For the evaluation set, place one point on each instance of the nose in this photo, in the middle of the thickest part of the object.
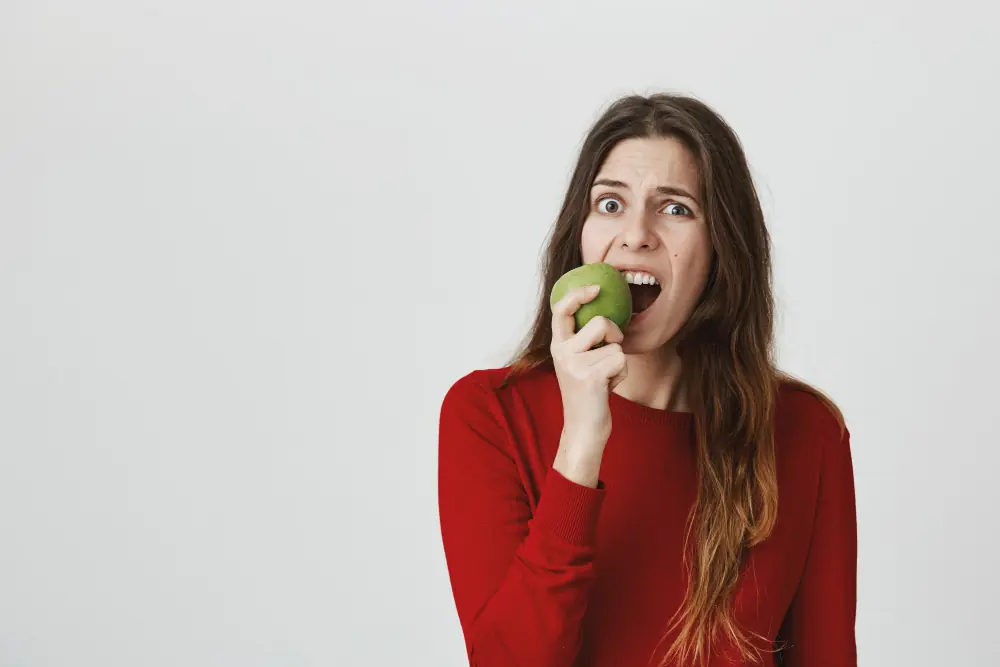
(637, 234)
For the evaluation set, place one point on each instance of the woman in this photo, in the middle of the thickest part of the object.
(668, 497)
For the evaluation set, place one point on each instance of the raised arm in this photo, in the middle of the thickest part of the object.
(520, 581)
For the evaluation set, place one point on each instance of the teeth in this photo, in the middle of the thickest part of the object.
(639, 278)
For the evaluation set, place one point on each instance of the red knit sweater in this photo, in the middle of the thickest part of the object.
(548, 573)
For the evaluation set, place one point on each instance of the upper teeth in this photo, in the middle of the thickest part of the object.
(639, 278)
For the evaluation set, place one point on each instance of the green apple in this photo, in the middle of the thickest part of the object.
(614, 301)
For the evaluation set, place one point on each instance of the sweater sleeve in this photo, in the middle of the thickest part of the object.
(520, 582)
(818, 630)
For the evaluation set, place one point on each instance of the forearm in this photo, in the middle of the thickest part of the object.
(578, 459)
(534, 617)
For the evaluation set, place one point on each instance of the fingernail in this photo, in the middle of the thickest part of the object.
(593, 289)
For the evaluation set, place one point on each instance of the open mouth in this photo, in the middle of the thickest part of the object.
(644, 288)
(643, 296)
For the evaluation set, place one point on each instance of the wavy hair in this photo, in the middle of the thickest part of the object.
(727, 354)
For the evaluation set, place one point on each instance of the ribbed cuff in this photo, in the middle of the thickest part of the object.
(569, 510)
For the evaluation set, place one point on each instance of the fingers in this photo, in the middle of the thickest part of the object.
(597, 330)
(563, 324)
(612, 365)
(619, 376)
(592, 367)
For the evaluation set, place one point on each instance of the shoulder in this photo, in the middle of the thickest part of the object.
(483, 413)
(808, 419)
(497, 405)
(476, 384)
(484, 386)
(802, 406)
(476, 388)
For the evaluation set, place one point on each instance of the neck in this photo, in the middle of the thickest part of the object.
(655, 379)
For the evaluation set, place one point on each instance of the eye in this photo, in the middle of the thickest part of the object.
(609, 205)
(678, 209)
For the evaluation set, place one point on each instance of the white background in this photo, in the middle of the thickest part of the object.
(245, 248)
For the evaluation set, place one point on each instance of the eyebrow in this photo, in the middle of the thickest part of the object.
(671, 190)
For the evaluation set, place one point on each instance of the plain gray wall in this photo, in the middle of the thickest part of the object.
(246, 247)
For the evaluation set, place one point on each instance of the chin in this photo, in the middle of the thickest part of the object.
(648, 336)
(640, 343)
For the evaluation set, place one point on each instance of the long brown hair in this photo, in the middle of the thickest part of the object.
(726, 348)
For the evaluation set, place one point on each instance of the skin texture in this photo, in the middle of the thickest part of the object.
(635, 224)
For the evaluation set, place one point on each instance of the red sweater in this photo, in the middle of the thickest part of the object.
(549, 573)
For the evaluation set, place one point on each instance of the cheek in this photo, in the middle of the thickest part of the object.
(691, 263)
(594, 241)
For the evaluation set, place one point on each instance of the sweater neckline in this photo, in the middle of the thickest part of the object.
(638, 413)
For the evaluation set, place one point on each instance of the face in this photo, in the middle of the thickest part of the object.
(645, 217)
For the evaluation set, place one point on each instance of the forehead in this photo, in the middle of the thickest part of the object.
(650, 162)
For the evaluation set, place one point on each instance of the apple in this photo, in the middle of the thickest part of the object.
(614, 301)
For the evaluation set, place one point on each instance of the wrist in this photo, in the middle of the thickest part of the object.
(579, 461)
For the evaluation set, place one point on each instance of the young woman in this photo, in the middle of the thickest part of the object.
(669, 497)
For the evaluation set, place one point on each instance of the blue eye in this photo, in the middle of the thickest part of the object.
(673, 207)
(609, 205)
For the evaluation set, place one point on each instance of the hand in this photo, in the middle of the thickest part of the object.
(586, 377)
